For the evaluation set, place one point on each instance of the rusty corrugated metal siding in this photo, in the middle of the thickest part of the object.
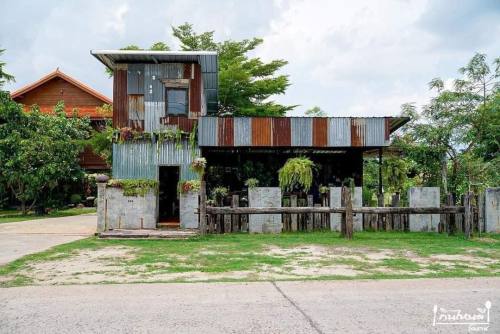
(358, 131)
(226, 131)
(242, 131)
(282, 132)
(261, 131)
(182, 122)
(339, 132)
(195, 92)
(387, 129)
(301, 131)
(136, 112)
(295, 131)
(140, 160)
(207, 131)
(120, 104)
(320, 132)
(135, 79)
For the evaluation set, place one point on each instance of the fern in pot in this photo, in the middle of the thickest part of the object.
(296, 174)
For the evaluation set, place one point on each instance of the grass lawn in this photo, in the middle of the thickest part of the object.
(11, 216)
(243, 257)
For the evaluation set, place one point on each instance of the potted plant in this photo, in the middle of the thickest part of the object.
(296, 174)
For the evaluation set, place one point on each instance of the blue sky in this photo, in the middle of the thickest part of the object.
(351, 58)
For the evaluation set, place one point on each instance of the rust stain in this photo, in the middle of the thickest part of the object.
(281, 131)
(120, 101)
(320, 132)
(261, 131)
(357, 132)
(226, 131)
(183, 123)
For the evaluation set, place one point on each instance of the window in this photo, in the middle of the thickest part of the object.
(177, 101)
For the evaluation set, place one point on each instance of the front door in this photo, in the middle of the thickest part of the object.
(168, 199)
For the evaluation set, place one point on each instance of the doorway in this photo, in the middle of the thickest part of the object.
(168, 213)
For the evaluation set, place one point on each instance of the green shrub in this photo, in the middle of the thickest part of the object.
(75, 199)
(252, 183)
(134, 187)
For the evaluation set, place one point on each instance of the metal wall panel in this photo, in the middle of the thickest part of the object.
(207, 131)
(242, 131)
(120, 100)
(375, 132)
(154, 111)
(281, 132)
(136, 107)
(339, 132)
(261, 131)
(153, 74)
(140, 160)
(225, 132)
(320, 131)
(301, 131)
(135, 79)
(358, 132)
(170, 154)
(134, 161)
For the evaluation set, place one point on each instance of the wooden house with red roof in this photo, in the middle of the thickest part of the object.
(58, 86)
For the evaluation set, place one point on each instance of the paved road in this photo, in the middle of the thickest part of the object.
(22, 238)
(388, 306)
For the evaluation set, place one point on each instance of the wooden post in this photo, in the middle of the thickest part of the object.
(396, 218)
(310, 203)
(450, 218)
(480, 213)
(348, 221)
(203, 208)
(467, 215)
(294, 218)
(236, 218)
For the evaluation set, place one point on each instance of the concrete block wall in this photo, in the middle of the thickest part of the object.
(336, 201)
(492, 210)
(267, 197)
(188, 204)
(424, 197)
(127, 212)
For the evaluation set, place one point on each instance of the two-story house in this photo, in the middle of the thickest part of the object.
(158, 90)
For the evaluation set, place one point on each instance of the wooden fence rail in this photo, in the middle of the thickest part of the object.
(296, 210)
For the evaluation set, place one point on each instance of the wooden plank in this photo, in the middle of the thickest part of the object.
(236, 225)
(120, 101)
(347, 222)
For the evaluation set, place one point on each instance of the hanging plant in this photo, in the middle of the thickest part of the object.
(198, 166)
(296, 173)
(186, 186)
(323, 189)
(252, 183)
(218, 193)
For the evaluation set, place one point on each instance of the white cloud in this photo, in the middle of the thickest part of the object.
(350, 58)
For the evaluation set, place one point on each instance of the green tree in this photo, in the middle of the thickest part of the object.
(246, 84)
(454, 143)
(4, 77)
(38, 151)
(315, 112)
